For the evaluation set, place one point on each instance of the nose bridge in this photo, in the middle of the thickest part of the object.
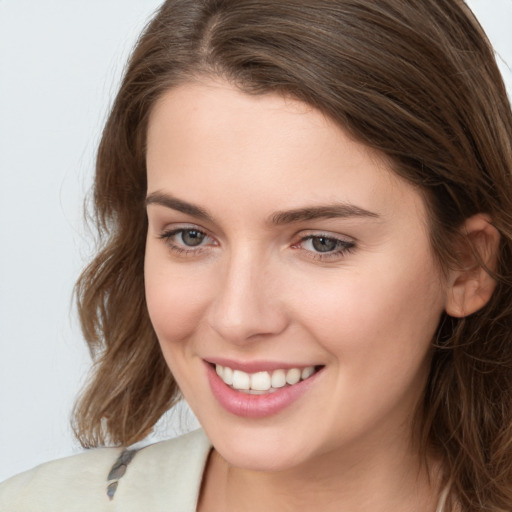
(246, 304)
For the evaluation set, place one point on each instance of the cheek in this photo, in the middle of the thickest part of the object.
(175, 299)
(377, 328)
(370, 315)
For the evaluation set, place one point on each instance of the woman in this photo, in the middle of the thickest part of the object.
(306, 209)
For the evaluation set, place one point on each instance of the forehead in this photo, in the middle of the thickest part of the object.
(210, 136)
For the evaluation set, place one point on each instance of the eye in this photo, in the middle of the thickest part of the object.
(322, 246)
(192, 237)
(186, 240)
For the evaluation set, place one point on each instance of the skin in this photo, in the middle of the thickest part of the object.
(257, 290)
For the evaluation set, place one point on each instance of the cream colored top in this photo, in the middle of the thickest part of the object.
(163, 477)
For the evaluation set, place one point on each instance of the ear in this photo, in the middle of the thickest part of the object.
(470, 286)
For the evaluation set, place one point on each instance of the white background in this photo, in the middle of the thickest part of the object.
(60, 62)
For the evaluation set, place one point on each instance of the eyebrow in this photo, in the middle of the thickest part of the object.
(336, 210)
(178, 205)
(332, 211)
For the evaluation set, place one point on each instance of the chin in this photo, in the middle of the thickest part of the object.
(254, 460)
(262, 449)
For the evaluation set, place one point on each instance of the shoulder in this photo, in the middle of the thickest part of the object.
(77, 477)
(113, 479)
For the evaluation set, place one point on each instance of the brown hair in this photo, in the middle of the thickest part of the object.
(414, 79)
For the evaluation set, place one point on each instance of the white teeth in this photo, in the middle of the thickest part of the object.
(262, 382)
(293, 376)
(241, 380)
(278, 378)
(228, 375)
(307, 372)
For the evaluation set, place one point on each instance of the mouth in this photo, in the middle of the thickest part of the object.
(263, 382)
(260, 389)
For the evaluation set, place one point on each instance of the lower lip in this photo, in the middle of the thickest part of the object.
(256, 406)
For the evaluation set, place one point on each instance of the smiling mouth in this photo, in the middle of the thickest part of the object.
(264, 382)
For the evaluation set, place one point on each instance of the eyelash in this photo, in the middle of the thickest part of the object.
(184, 250)
(343, 246)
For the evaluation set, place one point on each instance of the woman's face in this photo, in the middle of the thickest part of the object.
(278, 248)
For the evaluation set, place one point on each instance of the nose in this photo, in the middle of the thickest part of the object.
(248, 304)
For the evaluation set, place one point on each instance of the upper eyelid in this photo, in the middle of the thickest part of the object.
(164, 218)
(177, 227)
(306, 234)
(174, 231)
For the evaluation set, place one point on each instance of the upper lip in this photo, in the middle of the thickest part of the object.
(256, 365)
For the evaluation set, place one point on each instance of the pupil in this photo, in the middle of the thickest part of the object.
(322, 244)
(192, 237)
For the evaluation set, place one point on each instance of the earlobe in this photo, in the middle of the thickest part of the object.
(471, 286)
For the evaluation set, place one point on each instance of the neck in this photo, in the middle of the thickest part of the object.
(378, 479)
